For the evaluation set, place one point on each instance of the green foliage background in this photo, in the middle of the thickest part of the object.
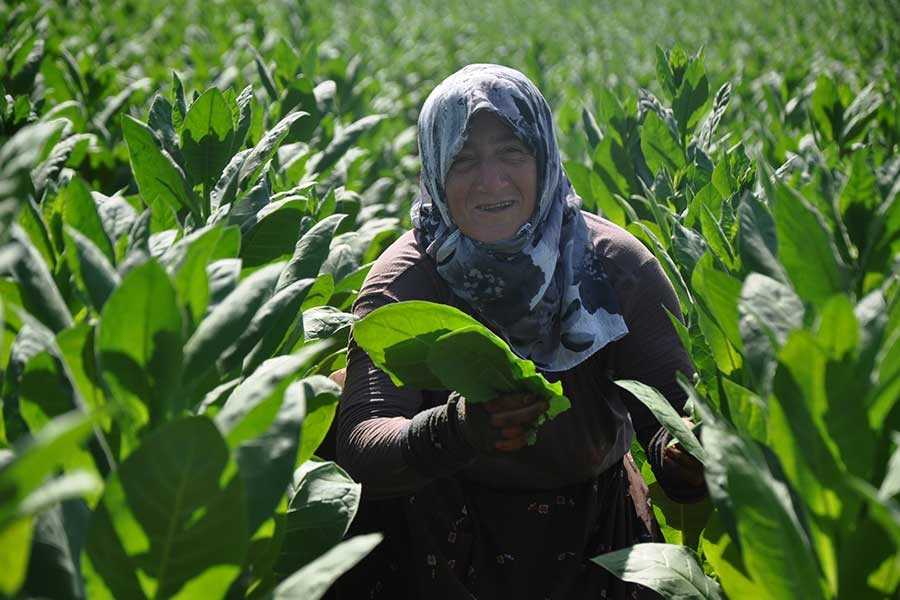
(191, 196)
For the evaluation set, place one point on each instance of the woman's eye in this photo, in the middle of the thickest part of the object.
(514, 152)
(462, 162)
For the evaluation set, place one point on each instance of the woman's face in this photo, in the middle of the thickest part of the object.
(492, 184)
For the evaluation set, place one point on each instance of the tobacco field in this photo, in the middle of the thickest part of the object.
(192, 195)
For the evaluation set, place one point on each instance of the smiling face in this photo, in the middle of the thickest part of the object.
(491, 186)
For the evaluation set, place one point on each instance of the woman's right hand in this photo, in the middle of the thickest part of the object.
(501, 424)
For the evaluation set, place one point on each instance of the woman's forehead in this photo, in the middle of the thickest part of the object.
(489, 128)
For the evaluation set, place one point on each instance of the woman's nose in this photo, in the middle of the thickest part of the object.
(491, 175)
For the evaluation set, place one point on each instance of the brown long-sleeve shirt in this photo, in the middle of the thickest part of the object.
(374, 415)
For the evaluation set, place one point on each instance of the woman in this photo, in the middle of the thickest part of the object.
(468, 509)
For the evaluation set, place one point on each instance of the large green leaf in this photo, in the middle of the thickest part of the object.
(255, 402)
(341, 261)
(76, 347)
(80, 212)
(320, 395)
(310, 251)
(226, 188)
(161, 121)
(687, 248)
(666, 415)
(34, 224)
(23, 486)
(661, 148)
(861, 110)
(47, 174)
(747, 411)
(256, 160)
(346, 291)
(724, 557)
(774, 305)
(15, 547)
(397, 338)
(158, 177)
(207, 137)
(140, 243)
(769, 310)
(322, 322)
(609, 179)
(223, 277)
(320, 293)
(869, 562)
(433, 346)
(775, 546)
(27, 488)
(39, 292)
(186, 263)
(845, 375)
(672, 571)
(831, 515)
(284, 324)
(321, 509)
(717, 239)
(827, 109)
(267, 328)
(171, 522)
(717, 293)
(805, 247)
(227, 321)
(664, 74)
(799, 387)
(31, 340)
(243, 115)
(265, 546)
(272, 233)
(139, 347)
(58, 539)
(18, 155)
(118, 218)
(262, 421)
(312, 581)
(757, 239)
(93, 272)
(338, 146)
(692, 95)
(480, 366)
(44, 392)
(859, 199)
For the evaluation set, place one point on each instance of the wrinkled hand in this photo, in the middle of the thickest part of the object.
(502, 424)
(681, 465)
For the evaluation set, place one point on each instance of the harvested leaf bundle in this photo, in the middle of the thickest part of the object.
(437, 347)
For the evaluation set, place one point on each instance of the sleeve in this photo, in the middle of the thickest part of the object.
(387, 438)
(652, 353)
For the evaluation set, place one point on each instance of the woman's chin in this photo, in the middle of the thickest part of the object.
(493, 233)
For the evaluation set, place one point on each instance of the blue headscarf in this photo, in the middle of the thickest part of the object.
(544, 289)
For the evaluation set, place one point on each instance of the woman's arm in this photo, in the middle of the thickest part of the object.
(385, 441)
(652, 353)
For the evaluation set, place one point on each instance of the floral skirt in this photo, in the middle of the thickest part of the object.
(457, 540)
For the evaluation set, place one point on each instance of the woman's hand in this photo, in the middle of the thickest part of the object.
(679, 473)
(501, 424)
(683, 467)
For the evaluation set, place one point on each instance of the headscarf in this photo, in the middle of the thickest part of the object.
(544, 289)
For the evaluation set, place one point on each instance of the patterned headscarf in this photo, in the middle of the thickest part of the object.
(544, 289)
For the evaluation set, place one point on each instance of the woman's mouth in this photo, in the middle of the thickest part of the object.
(495, 206)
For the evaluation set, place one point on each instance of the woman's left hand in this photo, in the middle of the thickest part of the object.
(501, 424)
(513, 415)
